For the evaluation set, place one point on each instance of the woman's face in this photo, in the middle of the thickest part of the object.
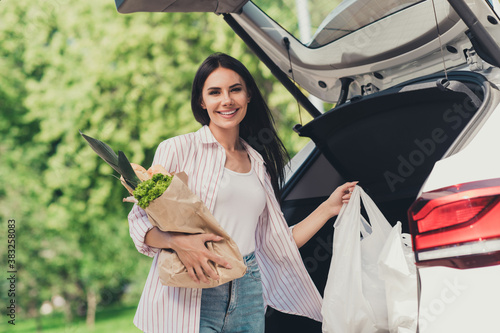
(225, 97)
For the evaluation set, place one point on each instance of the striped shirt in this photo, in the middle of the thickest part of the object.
(287, 286)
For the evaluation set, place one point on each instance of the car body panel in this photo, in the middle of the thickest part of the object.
(459, 300)
(476, 161)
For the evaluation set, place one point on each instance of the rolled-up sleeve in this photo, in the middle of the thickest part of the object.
(139, 225)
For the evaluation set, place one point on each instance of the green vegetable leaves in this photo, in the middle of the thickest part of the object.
(151, 189)
(118, 162)
(144, 192)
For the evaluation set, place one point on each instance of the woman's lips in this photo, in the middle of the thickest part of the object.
(227, 114)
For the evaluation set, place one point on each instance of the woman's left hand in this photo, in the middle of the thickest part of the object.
(340, 196)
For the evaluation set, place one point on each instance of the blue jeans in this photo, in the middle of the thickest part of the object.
(236, 306)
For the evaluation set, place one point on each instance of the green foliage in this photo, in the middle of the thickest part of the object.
(124, 79)
(151, 189)
(111, 319)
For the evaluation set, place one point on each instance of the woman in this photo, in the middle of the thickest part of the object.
(235, 163)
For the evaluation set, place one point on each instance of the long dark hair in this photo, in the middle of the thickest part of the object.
(257, 128)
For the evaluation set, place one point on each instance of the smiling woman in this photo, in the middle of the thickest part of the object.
(238, 176)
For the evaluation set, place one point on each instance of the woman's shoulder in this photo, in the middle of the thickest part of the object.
(179, 141)
(173, 151)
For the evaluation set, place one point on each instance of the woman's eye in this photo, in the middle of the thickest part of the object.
(236, 89)
(213, 92)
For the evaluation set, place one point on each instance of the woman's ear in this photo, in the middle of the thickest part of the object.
(203, 105)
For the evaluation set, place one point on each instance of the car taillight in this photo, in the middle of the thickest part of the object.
(457, 226)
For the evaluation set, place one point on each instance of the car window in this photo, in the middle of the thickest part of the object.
(318, 22)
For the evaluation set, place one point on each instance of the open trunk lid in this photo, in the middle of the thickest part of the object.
(215, 6)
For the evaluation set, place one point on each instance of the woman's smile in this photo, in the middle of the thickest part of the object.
(228, 113)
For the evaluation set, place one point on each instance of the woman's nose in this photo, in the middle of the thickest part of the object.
(226, 99)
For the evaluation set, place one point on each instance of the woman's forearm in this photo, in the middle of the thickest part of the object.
(307, 228)
(304, 230)
(157, 238)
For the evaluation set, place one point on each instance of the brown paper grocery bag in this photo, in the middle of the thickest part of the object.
(180, 210)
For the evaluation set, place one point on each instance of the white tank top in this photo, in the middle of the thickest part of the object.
(240, 201)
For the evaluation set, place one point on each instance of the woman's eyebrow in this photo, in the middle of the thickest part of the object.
(230, 87)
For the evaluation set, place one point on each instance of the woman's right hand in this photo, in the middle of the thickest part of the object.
(194, 254)
(192, 251)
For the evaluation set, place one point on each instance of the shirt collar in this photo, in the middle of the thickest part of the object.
(206, 135)
(252, 152)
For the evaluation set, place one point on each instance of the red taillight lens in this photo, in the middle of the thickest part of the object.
(453, 214)
(452, 222)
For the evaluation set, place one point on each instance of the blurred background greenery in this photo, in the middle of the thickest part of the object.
(125, 79)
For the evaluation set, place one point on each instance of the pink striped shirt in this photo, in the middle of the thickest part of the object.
(286, 284)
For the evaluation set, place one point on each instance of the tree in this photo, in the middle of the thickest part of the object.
(124, 79)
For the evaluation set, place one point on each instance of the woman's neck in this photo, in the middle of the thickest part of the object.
(228, 138)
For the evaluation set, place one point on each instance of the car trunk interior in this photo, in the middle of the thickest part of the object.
(389, 141)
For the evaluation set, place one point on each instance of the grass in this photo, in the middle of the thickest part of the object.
(116, 320)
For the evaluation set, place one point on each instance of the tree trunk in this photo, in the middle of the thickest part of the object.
(39, 326)
(68, 312)
(91, 309)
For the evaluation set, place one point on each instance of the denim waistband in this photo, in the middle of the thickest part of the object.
(249, 257)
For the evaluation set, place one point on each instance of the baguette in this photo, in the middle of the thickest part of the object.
(141, 172)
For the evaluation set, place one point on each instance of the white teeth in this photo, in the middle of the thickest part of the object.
(227, 113)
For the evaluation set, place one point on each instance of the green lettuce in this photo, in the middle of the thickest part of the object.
(151, 189)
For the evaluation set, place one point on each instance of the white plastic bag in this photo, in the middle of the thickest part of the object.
(354, 299)
(397, 269)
